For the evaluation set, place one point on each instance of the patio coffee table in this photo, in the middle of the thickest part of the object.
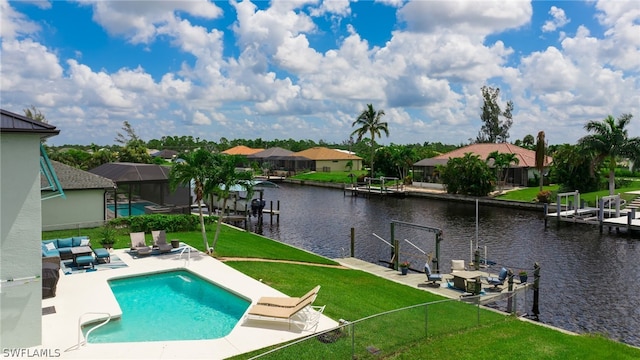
(80, 251)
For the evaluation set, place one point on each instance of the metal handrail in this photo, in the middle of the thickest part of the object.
(188, 259)
(84, 342)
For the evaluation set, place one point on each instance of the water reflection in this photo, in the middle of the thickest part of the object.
(589, 280)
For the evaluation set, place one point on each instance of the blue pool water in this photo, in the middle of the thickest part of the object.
(137, 208)
(176, 305)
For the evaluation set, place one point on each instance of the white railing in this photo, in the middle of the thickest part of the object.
(187, 261)
(82, 342)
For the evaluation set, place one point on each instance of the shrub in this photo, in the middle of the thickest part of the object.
(169, 223)
(544, 196)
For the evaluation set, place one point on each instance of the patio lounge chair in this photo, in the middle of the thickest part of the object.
(287, 302)
(160, 241)
(139, 244)
(433, 279)
(498, 281)
(304, 315)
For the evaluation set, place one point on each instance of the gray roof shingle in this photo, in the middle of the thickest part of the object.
(75, 179)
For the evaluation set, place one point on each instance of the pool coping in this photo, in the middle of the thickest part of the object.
(78, 294)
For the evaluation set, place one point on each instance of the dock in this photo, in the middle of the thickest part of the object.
(611, 215)
(419, 280)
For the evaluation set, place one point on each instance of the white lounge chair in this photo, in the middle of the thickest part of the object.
(304, 315)
(160, 241)
(289, 302)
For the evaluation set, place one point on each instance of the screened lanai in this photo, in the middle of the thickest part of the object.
(142, 188)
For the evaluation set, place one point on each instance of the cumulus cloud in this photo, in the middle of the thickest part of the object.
(13, 23)
(138, 21)
(558, 20)
(465, 17)
(265, 76)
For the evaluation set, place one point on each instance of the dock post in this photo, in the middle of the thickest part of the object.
(536, 291)
(278, 215)
(630, 216)
(600, 214)
(353, 242)
(271, 212)
(558, 209)
(476, 259)
(546, 211)
(510, 301)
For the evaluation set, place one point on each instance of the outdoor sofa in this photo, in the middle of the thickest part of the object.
(61, 248)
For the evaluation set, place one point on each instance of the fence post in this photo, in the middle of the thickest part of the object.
(353, 242)
(536, 287)
(511, 297)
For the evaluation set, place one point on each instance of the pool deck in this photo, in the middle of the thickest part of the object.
(83, 293)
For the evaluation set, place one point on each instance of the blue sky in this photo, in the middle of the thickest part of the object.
(306, 69)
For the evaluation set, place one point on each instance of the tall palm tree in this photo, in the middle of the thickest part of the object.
(198, 167)
(370, 122)
(225, 179)
(610, 141)
(502, 161)
(541, 157)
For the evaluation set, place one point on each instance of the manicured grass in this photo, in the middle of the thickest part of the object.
(331, 177)
(526, 194)
(529, 194)
(350, 294)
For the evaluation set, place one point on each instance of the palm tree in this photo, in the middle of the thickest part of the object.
(610, 141)
(540, 157)
(198, 167)
(503, 161)
(224, 179)
(369, 122)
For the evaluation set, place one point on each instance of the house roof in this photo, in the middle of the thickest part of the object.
(71, 178)
(241, 150)
(132, 172)
(271, 153)
(526, 157)
(323, 153)
(165, 154)
(15, 123)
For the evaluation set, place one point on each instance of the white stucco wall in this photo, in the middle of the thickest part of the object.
(20, 232)
(79, 209)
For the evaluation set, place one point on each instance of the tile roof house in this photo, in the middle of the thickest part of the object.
(241, 150)
(281, 162)
(84, 204)
(328, 160)
(517, 174)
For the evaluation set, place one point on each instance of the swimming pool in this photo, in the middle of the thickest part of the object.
(174, 305)
(137, 208)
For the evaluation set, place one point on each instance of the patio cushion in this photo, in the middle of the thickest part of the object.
(84, 260)
(65, 243)
(49, 246)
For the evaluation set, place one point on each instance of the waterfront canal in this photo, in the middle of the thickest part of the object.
(588, 283)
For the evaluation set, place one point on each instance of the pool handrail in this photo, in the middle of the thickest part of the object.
(80, 341)
(188, 259)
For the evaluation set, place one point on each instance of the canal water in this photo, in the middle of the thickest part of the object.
(589, 281)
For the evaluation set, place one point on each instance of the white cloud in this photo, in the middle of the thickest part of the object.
(201, 119)
(559, 19)
(466, 17)
(14, 24)
(137, 21)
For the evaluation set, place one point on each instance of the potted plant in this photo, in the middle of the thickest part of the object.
(404, 267)
(108, 235)
(523, 276)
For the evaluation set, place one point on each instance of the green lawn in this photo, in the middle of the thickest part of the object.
(331, 177)
(529, 194)
(351, 294)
